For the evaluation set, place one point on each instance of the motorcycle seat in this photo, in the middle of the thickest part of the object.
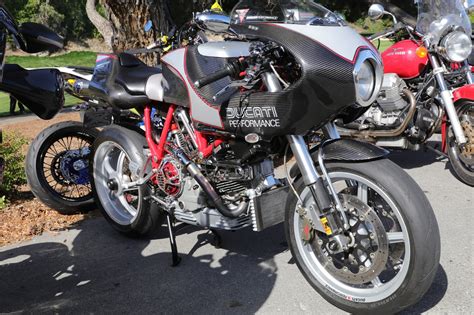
(133, 74)
(121, 80)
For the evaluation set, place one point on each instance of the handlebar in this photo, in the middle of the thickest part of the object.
(397, 27)
(230, 69)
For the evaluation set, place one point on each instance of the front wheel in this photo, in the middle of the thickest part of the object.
(462, 159)
(394, 250)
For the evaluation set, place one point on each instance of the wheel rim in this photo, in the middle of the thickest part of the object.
(111, 162)
(466, 159)
(65, 168)
(388, 281)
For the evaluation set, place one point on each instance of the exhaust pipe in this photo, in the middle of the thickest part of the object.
(196, 173)
(344, 132)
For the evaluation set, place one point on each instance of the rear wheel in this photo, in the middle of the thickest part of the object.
(462, 159)
(394, 240)
(57, 167)
(118, 159)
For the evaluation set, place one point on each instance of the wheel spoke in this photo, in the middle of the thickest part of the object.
(395, 237)
(111, 172)
(376, 282)
(362, 193)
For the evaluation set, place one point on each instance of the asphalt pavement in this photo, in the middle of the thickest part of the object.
(93, 269)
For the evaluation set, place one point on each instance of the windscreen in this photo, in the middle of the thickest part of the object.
(435, 17)
(283, 11)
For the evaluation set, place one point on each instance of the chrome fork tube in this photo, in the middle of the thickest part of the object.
(447, 98)
(304, 160)
(469, 76)
(330, 131)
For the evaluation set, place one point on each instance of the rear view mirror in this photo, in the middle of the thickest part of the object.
(214, 22)
(39, 38)
(41, 90)
(376, 11)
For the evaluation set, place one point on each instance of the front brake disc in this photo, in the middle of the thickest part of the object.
(367, 258)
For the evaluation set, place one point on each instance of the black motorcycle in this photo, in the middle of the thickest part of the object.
(220, 117)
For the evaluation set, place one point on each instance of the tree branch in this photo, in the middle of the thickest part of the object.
(103, 25)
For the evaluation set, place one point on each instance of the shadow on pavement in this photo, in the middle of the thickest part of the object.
(434, 295)
(415, 159)
(105, 272)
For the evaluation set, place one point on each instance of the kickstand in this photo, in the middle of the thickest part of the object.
(174, 249)
(217, 238)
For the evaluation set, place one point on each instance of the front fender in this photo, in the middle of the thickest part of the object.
(345, 150)
(465, 92)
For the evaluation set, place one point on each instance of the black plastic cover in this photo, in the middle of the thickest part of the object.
(42, 90)
(39, 38)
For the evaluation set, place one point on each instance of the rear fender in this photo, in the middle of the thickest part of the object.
(345, 150)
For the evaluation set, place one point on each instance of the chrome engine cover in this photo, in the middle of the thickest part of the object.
(390, 98)
(390, 103)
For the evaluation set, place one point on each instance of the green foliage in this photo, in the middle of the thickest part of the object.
(369, 26)
(41, 12)
(67, 17)
(12, 151)
(3, 202)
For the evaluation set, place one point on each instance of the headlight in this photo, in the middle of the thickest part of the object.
(365, 80)
(457, 46)
(368, 75)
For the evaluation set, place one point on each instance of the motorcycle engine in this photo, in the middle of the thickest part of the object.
(390, 105)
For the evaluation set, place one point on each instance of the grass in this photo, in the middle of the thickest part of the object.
(78, 58)
(383, 44)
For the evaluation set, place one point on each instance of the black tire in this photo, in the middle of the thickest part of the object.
(149, 216)
(464, 172)
(422, 229)
(35, 167)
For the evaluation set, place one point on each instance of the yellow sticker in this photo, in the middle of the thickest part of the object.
(325, 223)
(164, 39)
(135, 111)
(71, 81)
(217, 7)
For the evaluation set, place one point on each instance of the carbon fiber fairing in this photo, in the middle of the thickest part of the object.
(325, 88)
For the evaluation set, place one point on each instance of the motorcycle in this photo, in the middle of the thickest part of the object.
(57, 163)
(220, 117)
(427, 86)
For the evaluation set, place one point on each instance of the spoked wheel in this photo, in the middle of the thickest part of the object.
(57, 167)
(118, 161)
(389, 264)
(462, 159)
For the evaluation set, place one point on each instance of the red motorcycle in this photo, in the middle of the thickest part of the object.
(427, 86)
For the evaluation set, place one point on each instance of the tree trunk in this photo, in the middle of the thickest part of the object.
(103, 25)
(128, 19)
